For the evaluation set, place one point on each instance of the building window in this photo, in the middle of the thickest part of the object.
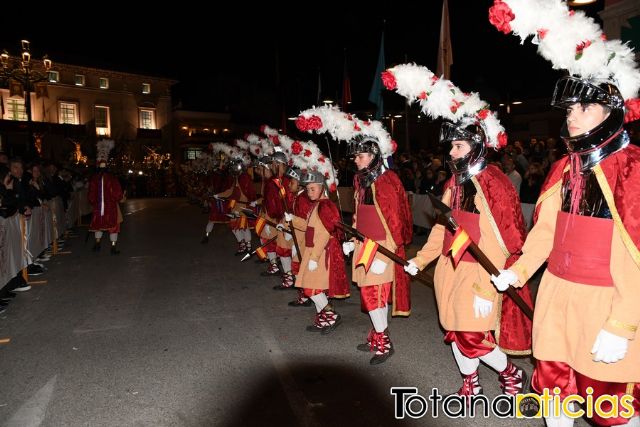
(16, 109)
(54, 77)
(104, 83)
(192, 153)
(146, 87)
(103, 124)
(147, 118)
(79, 80)
(68, 113)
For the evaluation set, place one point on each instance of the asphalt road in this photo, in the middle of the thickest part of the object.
(175, 333)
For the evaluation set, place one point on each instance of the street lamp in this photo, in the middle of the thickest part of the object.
(22, 70)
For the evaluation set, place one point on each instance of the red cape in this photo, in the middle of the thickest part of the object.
(514, 335)
(394, 205)
(329, 215)
(112, 196)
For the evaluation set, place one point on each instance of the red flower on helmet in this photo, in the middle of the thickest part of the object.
(454, 106)
(296, 147)
(482, 114)
(434, 78)
(307, 153)
(632, 107)
(500, 16)
(502, 140)
(356, 127)
(423, 95)
(394, 146)
(321, 159)
(275, 140)
(542, 32)
(389, 80)
(333, 188)
(581, 47)
(312, 123)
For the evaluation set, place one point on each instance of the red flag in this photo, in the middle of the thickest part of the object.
(367, 254)
(459, 245)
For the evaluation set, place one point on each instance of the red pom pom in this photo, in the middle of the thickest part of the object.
(542, 32)
(423, 95)
(633, 110)
(296, 147)
(389, 80)
(306, 125)
(454, 106)
(275, 140)
(321, 159)
(500, 16)
(482, 114)
(356, 127)
(307, 153)
(502, 140)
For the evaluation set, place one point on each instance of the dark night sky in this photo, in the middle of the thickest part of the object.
(228, 61)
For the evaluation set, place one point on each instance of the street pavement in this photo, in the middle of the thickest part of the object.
(172, 332)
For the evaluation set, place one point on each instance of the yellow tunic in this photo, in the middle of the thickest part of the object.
(568, 315)
(455, 288)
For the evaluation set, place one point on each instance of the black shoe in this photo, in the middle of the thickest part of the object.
(366, 347)
(328, 329)
(298, 303)
(381, 358)
(96, 247)
(283, 288)
(35, 270)
(114, 250)
(204, 240)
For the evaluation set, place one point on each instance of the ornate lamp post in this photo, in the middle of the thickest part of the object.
(22, 70)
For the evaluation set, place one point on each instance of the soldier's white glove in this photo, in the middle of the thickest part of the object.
(253, 204)
(312, 265)
(378, 267)
(287, 237)
(280, 227)
(267, 229)
(481, 307)
(215, 196)
(348, 247)
(609, 348)
(412, 268)
(288, 217)
(504, 280)
(294, 252)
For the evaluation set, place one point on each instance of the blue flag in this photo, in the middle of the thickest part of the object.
(375, 95)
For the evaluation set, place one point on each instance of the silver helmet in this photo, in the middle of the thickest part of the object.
(294, 173)
(591, 145)
(473, 133)
(367, 144)
(236, 166)
(312, 177)
(279, 157)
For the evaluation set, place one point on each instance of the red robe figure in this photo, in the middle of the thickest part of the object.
(105, 194)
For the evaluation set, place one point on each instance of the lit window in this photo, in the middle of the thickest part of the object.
(102, 120)
(192, 153)
(68, 113)
(79, 80)
(147, 118)
(16, 109)
(146, 87)
(104, 83)
(54, 77)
